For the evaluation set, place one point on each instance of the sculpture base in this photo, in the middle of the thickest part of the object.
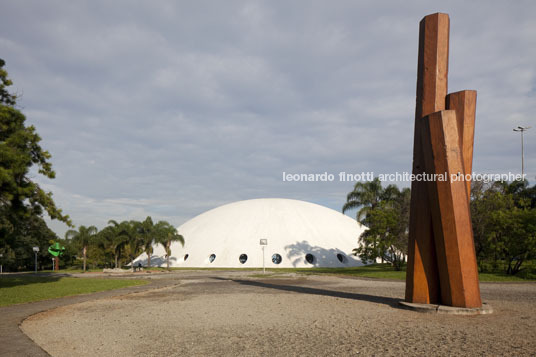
(451, 310)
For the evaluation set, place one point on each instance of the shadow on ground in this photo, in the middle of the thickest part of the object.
(392, 302)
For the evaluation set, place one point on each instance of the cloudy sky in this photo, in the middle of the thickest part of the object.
(170, 108)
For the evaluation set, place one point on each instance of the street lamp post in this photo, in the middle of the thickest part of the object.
(36, 250)
(263, 243)
(522, 130)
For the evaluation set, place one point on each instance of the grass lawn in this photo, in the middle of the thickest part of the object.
(377, 271)
(71, 270)
(22, 289)
(498, 277)
(385, 271)
(374, 271)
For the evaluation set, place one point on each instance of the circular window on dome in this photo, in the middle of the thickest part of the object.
(186, 256)
(211, 258)
(243, 258)
(310, 258)
(276, 258)
(341, 258)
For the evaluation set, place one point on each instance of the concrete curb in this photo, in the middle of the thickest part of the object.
(449, 310)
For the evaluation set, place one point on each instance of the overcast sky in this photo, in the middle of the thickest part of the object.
(170, 108)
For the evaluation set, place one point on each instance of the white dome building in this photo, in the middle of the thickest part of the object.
(298, 234)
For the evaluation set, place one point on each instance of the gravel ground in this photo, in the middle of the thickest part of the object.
(225, 313)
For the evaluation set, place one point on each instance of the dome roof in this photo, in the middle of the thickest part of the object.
(298, 234)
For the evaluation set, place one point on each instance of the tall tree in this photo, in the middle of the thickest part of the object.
(106, 242)
(504, 224)
(387, 234)
(148, 232)
(517, 230)
(82, 237)
(365, 196)
(6, 98)
(368, 197)
(166, 236)
(118, 240)
(129, 231)
(20, 197)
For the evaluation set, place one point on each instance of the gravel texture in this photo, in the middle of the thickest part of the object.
(229, 313)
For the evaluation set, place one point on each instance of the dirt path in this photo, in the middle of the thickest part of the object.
(226, 313)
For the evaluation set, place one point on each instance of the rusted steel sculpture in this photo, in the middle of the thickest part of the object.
(442, 265)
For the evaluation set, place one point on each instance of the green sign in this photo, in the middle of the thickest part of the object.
(56, 249)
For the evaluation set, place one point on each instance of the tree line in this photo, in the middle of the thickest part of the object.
(120, 243)
(114, 246)
(503, 220)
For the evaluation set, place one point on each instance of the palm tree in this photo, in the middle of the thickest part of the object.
(118, 240)
(147, 231)
(129, 231)
(104, 239)
(112, 242)
(82, 237)
(168, 234)
(367, 196)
